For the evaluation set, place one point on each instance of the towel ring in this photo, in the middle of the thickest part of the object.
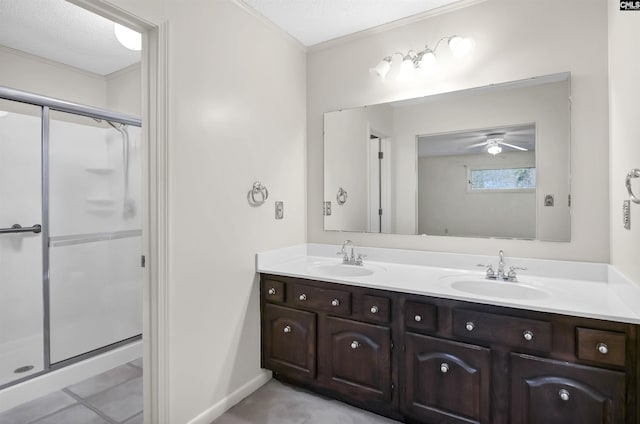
(341, 197)
(634, 173)
(258, 189)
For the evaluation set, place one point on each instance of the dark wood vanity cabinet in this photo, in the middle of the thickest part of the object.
(421, 359)
(446, 380)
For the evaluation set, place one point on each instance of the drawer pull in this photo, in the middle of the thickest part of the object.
(444, 367)
(564, 394)
(374, 309)
(335, 302)
(272, 291)
(302, 297)
(355, 344)
(469, 326)
(417, 318)
(528, 335)
(287, 329)
(602, 348)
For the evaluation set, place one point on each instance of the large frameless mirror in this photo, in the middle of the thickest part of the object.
(484, 162)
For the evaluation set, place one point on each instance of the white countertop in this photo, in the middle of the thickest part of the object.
(571, 288)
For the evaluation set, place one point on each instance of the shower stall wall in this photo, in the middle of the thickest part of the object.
(71, 278)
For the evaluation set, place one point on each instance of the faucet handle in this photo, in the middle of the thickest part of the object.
(512, 272)
(490, 272)
(360, 258)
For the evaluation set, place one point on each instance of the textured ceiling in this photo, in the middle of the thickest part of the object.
(65, 33)
(314, 21)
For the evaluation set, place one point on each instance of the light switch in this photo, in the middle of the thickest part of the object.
(279, 210)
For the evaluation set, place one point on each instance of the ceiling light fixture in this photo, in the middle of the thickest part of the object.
(425, 61)
(128, 37)
(493, 146)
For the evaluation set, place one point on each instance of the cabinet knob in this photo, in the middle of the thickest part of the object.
(602, 348)
(374, 309)
(444, 367)
(302, 297)
(564, 394)
(355, 344)
(417, 318)
(272, 291)
(287, 329)
(335, 302)
(528, 335)
(469, 326)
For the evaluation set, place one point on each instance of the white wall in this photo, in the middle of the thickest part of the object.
(624, 132)
(515, 39)
(26, 72)
(124, 90)
(446, 207)
(237, 101)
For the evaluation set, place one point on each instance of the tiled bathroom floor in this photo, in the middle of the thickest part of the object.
(113, 397)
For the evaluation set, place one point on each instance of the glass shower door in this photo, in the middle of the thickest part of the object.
(95, 278)
(21, 280)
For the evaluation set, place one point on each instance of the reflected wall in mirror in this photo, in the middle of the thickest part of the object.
(485, 162)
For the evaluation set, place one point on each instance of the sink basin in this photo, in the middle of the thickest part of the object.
(501, 289)
(340, 270)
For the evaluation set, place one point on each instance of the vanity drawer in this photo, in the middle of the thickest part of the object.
(376, 308)
(605, 347)
(503, 329)
(420, 316)
(320, 299)
(273, 290)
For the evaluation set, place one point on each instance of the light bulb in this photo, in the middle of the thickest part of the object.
(3, 113)
(494, 149)
(381, 69)
(128, 37)
(461, 46)
(428, 63)
(407, 69)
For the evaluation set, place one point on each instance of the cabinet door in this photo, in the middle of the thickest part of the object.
(355, 359)
(544, 391)
(446, 381)
(289, 341)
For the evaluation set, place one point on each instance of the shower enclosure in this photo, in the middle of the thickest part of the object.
(70, 233)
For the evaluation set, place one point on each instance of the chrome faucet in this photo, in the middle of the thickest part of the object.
(500, 274)
(350, 260)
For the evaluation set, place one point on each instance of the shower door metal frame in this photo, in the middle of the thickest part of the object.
(47, 104)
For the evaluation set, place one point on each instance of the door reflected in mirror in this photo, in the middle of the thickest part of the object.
(485, 162)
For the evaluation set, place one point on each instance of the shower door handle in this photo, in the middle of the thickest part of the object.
(17, 228)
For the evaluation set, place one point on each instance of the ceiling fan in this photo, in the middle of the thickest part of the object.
(494, 144)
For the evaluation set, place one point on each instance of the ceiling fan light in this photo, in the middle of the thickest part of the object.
(494, 149)
(461, 46)
(128, 37)
(381, 69)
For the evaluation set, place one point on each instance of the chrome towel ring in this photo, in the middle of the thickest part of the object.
(341, 197)
(634, 173)
(258, 194)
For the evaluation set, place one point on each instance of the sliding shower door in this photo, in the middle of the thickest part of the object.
(95, 280)
(21, 290)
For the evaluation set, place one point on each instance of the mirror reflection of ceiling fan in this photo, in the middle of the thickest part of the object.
(494, 143)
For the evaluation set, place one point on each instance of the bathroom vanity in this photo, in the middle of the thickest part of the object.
(426, 357)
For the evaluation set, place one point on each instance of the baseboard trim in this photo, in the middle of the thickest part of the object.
(228, 402)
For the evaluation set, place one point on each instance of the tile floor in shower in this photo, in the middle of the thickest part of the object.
(113, 397)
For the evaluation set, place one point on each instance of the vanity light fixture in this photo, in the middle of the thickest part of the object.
(425, 61)
(128, 37)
